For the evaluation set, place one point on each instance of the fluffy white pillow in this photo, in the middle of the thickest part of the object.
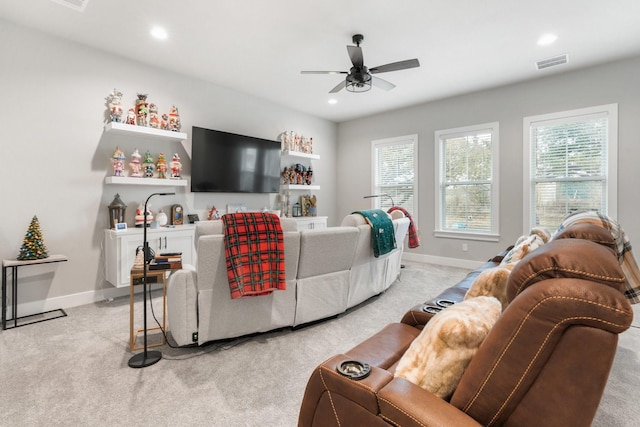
(437, 358)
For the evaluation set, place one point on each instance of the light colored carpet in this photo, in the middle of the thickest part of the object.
(73, 371)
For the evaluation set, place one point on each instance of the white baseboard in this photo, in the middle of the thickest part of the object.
(450, 262)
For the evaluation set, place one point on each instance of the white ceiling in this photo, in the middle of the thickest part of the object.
(260, 46)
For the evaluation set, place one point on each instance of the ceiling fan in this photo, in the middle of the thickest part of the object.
(360, 78)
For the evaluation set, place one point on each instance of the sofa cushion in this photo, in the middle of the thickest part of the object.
(438, 357)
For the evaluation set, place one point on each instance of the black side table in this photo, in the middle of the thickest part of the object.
(14, 265)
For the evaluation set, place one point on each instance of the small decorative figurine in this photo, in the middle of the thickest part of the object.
(161, 166)
(114, 102)
(131, 117)
(138, 262)
(135, 166)
(164, 124)
(176, 166)
(147, 164)
(118, 162)
(139, 219)
(154, 121)
(142, 109)
(213, 213)
(313, 209)
(174, 119)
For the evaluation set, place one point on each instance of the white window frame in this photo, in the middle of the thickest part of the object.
(494, 234)
(389, 142)
(611, 112)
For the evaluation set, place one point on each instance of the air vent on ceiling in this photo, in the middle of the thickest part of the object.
(552, 62)
(78, 5)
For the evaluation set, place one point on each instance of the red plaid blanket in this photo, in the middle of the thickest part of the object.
(254, 248)
(414, 240)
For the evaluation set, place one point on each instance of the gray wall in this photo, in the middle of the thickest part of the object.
(616, 82)
(56, 156)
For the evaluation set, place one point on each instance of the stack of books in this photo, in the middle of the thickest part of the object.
(166, 261)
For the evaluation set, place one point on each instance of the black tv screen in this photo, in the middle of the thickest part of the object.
(232, 163)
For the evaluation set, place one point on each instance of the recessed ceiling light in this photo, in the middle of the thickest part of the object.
(333, 101)
(159, 33)
(547, 39)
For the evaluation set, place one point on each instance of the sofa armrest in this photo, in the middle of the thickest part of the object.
(405, 404)
(182, 300)
(332, 399)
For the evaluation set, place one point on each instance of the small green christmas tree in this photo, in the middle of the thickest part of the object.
(33, 245)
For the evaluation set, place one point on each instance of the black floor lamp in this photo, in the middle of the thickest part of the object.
(381, 195)
(146, 358)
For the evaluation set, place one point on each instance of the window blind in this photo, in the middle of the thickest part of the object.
(568, 167)
(466, 181)
(394, 174)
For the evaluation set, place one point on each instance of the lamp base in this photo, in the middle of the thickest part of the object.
(145, 359)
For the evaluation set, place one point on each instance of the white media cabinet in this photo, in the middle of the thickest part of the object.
(120, 248)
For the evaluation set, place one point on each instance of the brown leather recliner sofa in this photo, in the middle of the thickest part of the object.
(544, 363)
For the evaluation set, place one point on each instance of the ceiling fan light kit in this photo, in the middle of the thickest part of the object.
(360, 78)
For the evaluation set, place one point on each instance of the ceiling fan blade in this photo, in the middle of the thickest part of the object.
(395, 66)
(355, 53)
(381, 83)
(323, 72)
(340, 86)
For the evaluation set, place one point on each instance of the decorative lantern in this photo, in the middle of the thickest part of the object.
(297, 210)
(117, 208)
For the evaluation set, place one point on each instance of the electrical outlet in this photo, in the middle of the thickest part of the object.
(465, 247)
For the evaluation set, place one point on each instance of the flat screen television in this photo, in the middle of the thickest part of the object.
(230, 163)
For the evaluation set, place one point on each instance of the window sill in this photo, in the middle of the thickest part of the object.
(467, 235)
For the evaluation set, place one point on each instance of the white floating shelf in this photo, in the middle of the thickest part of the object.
(300, 154)
(299, 187)
(125, 129)
(126, 180)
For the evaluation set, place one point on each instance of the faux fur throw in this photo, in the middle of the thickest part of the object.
(254, 248)
(491, 282)
(438, 357)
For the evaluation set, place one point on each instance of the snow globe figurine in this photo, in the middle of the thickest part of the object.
(161, 166)
(176, 166)
(118, 162)
(142, 109)
(154, 121)
(147, 165)
(114, 102)
(174, 119)
(135, 166)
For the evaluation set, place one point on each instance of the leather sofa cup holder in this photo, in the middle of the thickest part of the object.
(432, 309)
(354, 369)
(444, 303)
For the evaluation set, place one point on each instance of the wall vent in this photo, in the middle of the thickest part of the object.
(78, 5)
(552, 62)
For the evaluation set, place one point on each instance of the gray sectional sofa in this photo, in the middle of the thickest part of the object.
(327, 271)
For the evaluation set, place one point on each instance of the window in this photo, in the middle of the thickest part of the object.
(570, 164)
(467, 182)
(395, 173)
